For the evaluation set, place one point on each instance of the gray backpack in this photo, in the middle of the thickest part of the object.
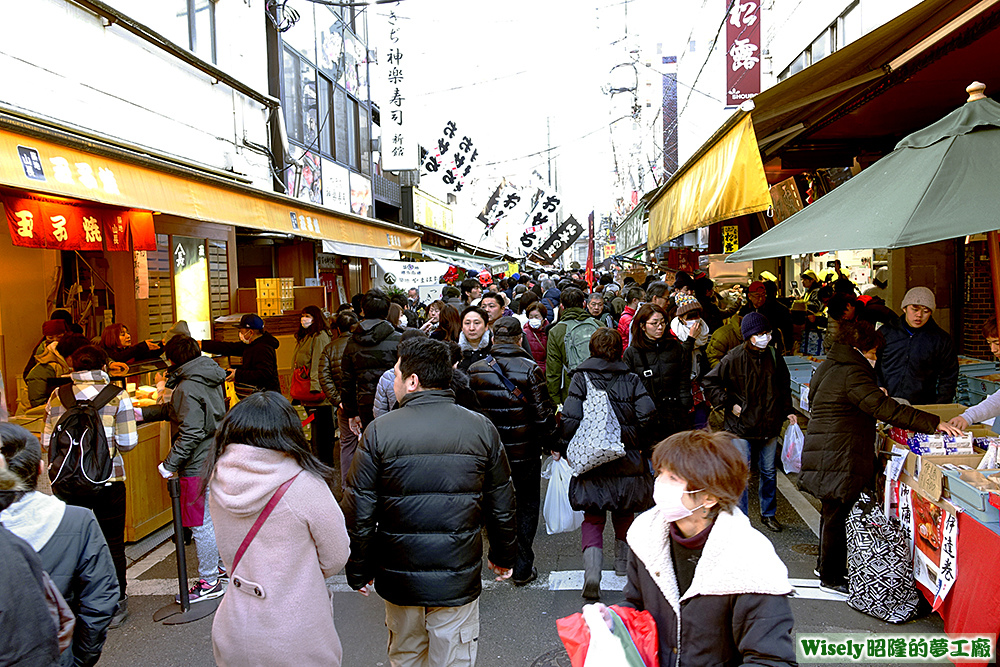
(577, 344)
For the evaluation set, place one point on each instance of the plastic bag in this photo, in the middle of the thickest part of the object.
(791, 452)
(638, 641)
(559, 516)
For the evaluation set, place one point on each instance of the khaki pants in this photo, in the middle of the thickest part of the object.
(433, 636)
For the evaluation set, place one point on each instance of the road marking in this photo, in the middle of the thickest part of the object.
(799, 503)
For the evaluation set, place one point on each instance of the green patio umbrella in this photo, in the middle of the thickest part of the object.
(939, 183)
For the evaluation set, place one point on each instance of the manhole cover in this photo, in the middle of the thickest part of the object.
(555, 658)
(806, 549)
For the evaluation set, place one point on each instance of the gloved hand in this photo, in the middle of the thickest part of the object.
(164, 473)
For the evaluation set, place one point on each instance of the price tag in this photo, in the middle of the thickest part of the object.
(929, 482)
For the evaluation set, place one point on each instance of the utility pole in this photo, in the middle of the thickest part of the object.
(548, 139)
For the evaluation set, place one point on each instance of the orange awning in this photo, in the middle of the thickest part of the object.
(41, 165)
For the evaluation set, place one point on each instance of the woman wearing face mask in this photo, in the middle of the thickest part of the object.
(688, 327)
(536, 332)
(310, 340)
(714, 585)
(838, 457)
(663, 364)
(475, 337)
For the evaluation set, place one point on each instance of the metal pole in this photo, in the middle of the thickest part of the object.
(174, 484)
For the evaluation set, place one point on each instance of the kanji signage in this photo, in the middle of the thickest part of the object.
(730, 238)
(560, 241)
(399, 151)
(36, 222)
(742, 51)
(452, 158)
(541, 217)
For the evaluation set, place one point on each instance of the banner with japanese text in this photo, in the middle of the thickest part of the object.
(508, 202)
(541, 217)
(36, 222)
(399, 148)
(742, 51)
(560, 241)
(452, 158)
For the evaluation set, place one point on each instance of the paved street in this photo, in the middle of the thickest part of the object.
(517, 625)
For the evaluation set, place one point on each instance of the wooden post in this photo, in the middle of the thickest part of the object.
(994, 240)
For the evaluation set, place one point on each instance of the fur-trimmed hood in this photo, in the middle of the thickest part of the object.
(737, 559)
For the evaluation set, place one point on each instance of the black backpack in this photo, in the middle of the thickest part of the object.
(79, 459)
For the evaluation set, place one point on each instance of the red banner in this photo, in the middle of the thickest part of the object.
(36, 222)
(742, 51)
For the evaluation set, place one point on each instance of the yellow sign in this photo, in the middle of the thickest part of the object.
(432, 213)
(730, 238)
(609, 249)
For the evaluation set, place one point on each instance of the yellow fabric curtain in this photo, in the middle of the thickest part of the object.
(723, 180)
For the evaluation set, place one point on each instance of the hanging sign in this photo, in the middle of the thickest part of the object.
(405, 275)
(730, 238)
(399, 150)
(36, 222)
(742, 51)
(507, 203)
(541, 216)
(452, 158)
(560, 241)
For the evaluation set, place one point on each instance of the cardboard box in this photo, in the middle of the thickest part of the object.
(926, 474)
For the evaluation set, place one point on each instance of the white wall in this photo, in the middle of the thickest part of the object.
(65, 64)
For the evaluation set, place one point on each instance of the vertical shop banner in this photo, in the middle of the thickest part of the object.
(742, 51)
(590, 250)
(545, 204)
(508, 202)
(191, 285)
(560, 241)
(452, 158)
(140, 263)
(399, 149)
(336, 186)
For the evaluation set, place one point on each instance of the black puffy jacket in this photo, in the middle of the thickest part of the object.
(427, 477)
(330, 367)
(665, 371)
(838, 457)
(625, 484)
(259, 367)
(525, 425)
(757, 381)
(370, 353)
(27, 632)
(919, 365)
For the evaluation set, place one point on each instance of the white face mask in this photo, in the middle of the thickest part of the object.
(306, 322)
(245, 336)
(873, 362)
(761, 341)
(668, 498)
(534, 322)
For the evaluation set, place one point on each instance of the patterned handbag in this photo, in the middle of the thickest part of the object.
(879, 564)
(598, 439)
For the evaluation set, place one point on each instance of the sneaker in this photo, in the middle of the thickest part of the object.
(225, 575)
(836, 589)
(202, 590)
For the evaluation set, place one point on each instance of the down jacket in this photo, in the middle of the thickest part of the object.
(665, 371)
(838, 457)
(27, 633)
(425, 480)
(73, 552)
(757, 381)
(370, 352)
(330, 367)
(919, 365)
(724, 339)
(259, 361)
(736, 610)
(526, 424)
(625, 484)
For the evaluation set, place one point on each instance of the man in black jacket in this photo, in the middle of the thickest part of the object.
(257, 349)
(426, 479)
(752, 385)
(370, 353)
(511, 391)
(69, 544)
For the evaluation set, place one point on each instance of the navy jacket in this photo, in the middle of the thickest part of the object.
(919, 365)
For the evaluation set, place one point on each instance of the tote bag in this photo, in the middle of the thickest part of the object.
(598, 439)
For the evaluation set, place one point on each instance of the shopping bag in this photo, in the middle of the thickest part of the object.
(559, 516)
(791, 453)
(598, 438)
(634, 629)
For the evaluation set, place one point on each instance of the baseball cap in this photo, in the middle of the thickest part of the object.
(507, 327)
(756, 286)
(251, 321)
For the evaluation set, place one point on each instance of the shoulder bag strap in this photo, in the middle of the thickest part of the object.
(67, 396)
(105, 396)
(266, 512)
(511, 387)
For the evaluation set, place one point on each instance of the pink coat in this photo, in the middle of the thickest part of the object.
(303, 542)
(537, 341)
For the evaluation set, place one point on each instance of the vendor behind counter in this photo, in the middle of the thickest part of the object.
(257, 349)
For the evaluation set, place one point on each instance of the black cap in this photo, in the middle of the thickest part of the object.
(251, 321)
(507, 327)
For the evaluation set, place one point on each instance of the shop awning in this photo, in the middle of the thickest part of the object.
(459, 259)
(723, 179)
(355, 250)
(113, 176)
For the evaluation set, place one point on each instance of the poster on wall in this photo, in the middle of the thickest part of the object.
(361, 195)
(141, 265)
(336, 186)
(191, 285)
(304, 181)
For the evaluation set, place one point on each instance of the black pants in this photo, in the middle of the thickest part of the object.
(833, 541)
(526, 476)
(108, 506)
(323, 433)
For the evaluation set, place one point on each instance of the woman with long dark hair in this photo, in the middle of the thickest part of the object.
(449, 324)
(116, 341)
(278, 592)
(310, 340)
(663, 365)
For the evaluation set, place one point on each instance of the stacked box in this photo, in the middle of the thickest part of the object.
(287, 289)
(268, 307)
(932, 443)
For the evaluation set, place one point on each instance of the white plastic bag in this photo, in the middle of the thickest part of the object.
(559, 516)
(791, 453)
(605, 648)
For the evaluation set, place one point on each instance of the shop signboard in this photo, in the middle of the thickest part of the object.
(399, 148)
(785, 200)
(191, 285)
(561, 240)
(336, 186)
(730, 238)
(39, 222)
(742, 51)
(405, 275)
(631, 232)
(432, 213)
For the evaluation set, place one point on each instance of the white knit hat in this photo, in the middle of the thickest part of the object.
(919, 296)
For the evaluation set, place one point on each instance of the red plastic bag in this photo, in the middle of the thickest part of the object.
(575, 635)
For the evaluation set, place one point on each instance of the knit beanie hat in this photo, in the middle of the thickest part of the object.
(919, 296)
(54, 328)
(753, 324)
(685, 304)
